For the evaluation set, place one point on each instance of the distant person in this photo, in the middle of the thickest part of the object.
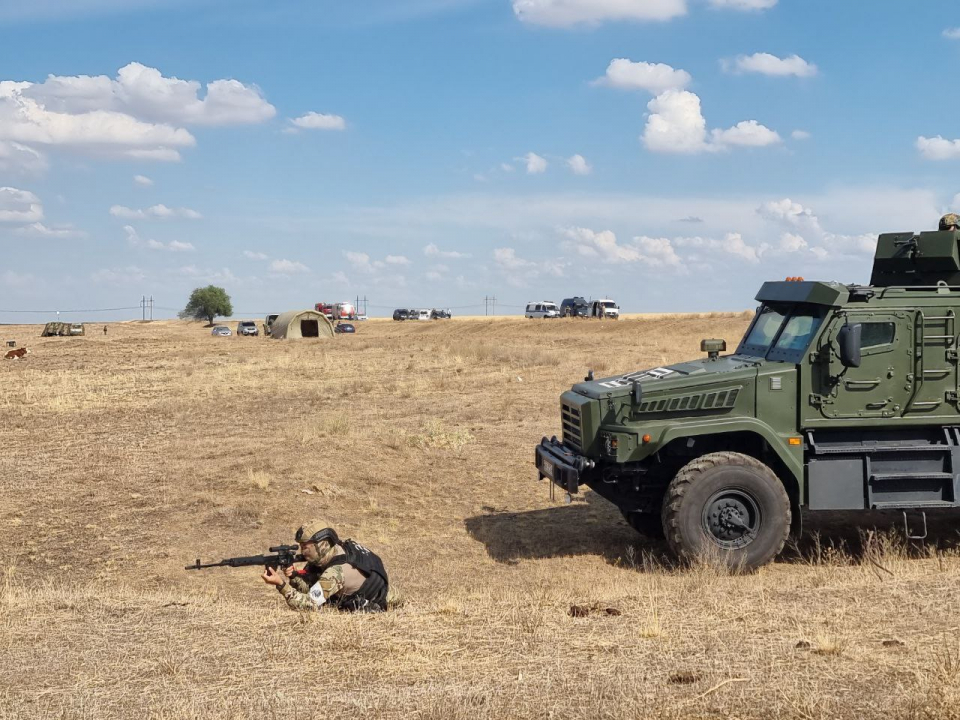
(104, 329)
(342, 574)
(950, 221)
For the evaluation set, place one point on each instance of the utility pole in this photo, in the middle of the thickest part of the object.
(151, 308)
(490, 305)
(143, 308)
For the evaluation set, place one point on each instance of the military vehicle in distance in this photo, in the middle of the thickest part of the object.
(838, 397)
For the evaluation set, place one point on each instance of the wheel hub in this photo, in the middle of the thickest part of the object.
(731, 518)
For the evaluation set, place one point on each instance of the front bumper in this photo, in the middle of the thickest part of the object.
(560, 464)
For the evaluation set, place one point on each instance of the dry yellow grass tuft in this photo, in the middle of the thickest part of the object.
(125, 457)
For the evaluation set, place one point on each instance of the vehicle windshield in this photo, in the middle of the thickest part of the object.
(609, 303)
(781, 331)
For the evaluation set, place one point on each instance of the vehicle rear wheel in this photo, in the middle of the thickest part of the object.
(649, 525)
(727, 504)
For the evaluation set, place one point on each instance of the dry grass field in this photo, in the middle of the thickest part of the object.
(124, 457)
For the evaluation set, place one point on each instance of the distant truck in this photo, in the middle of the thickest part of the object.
(268, 323)
(344, 311)
(574, 307)
(604, 308)
(325, 308)
(337, 311)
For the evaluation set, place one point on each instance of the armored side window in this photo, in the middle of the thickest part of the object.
(875, 334)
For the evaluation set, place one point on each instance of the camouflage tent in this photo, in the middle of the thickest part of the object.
(301, 324)
(62, 329)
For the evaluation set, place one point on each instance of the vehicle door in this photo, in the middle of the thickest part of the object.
(882, 385)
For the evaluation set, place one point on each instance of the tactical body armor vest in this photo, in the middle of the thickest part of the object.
(372, 595)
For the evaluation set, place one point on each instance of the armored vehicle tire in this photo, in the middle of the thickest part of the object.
(730, 505)
(647, 524)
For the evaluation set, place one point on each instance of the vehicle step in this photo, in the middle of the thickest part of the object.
(912, 476)
(851, 449)
(916, 504)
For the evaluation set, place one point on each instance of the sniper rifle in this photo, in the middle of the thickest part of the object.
(284, 556)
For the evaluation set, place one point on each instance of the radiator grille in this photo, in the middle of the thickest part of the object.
(572, 432)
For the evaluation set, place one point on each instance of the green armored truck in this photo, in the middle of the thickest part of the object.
(838, 397)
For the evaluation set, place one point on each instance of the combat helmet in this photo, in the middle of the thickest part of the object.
(950, 221)
(317, 531)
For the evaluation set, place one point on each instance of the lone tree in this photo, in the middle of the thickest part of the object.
(206, 303)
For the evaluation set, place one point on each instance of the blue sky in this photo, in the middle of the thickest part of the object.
(671, 154)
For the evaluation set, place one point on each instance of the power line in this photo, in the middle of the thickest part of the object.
(134, 307)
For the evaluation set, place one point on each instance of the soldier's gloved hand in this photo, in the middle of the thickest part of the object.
(289, 571)
(272, 577)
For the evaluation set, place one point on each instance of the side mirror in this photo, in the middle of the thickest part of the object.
(849, 340)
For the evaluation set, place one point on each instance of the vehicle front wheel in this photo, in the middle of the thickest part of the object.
(730, 505)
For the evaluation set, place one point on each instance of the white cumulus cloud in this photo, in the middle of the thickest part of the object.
(251, 255)
(396, 260)
(288, 267)
(142, 180)
(676, 125)
(743, 4)
(134, 240)
(564, 13)
(155, 212)
(19, 206)
(535, 163)
(938, 148)
(790, 213)
(747, 133)
(40, 230)
(319, 121)
(135, 114)
(432, 250)
(792, 243)
(143, 92)
(602, 245)
(732, 244)
(952, 33)
(655, 78)
(578, 165)
(800, 135)
(767, 64)
(15, 157)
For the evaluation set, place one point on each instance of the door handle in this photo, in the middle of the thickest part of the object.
(861, 383)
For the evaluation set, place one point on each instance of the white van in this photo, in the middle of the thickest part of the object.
(544, 309)
(605, 308)
(423, 315)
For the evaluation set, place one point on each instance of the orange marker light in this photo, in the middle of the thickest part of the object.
(795, 441)
(647, 438)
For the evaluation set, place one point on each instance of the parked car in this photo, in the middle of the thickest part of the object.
(221, 331)
(574, 307)
(544, 309)
(401, 314)
(362, 316)
(76, 329)
(423, 314)
(342, 327)
(247, 327)
(438, 314)
(604, 308)
(268, 323)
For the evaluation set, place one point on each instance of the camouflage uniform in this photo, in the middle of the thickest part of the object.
(950, 220)
(345, 574)
(300, 591)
